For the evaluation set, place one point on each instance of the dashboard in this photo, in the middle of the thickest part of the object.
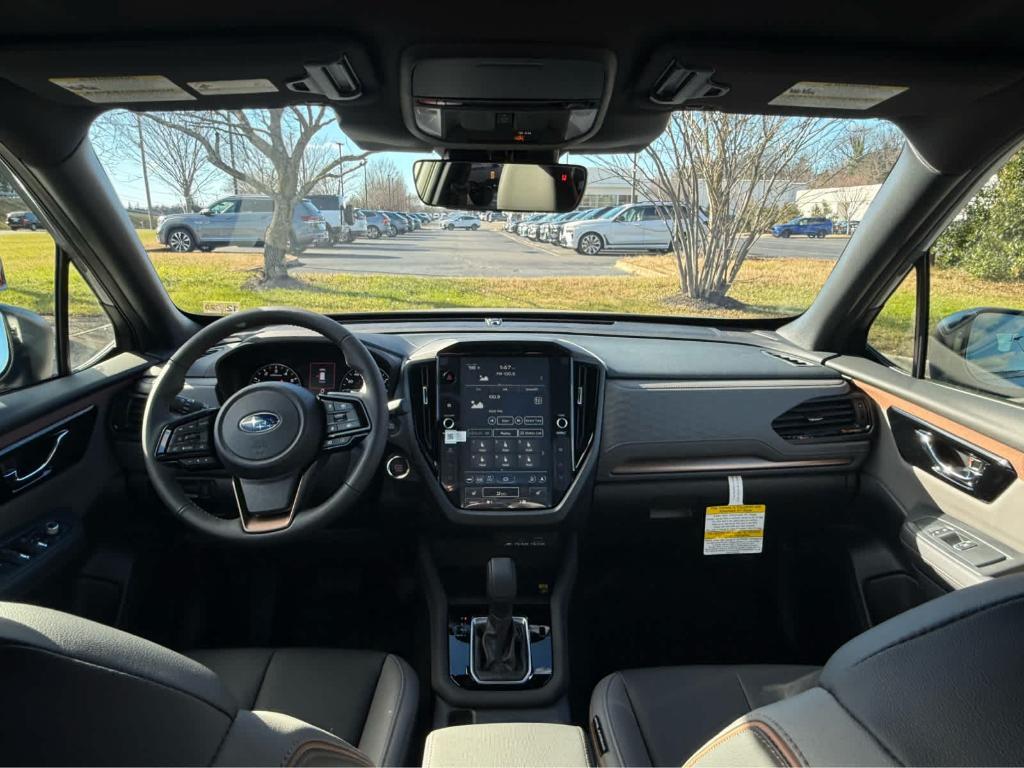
(526, 426)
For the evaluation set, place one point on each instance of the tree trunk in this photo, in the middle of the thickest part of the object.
(276, 244)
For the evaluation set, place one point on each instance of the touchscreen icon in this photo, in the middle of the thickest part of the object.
(475, 405)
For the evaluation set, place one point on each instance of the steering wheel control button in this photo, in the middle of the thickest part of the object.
(398, 467)
(345, 420)
(188, 438)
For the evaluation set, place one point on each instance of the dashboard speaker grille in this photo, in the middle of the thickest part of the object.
(842, 417)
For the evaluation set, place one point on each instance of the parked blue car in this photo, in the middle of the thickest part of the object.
(812, 226)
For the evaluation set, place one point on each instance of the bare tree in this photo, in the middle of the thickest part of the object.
(850, 200)
(866, 154)
(179, 161)
(384, 187)
(174, 158)
(269, 147)
(722, 179)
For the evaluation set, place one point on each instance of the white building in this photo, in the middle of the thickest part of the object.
(605, 188)
(841, 203)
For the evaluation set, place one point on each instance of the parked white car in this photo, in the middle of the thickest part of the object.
(636, 227)
(461, 221)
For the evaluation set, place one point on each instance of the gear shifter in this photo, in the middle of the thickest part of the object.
(503, 642)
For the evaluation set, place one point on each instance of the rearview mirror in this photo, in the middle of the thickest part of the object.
(480, 186)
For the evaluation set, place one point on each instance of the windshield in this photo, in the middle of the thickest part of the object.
(723, 216)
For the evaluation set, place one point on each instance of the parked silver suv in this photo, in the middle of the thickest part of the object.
(636, 227)
(238, 220)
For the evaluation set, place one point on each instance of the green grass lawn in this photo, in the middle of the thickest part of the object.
(767, 287)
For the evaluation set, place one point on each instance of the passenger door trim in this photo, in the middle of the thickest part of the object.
(886, 400)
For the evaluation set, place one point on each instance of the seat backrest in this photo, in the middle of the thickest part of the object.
(942, 684)
(81, 693)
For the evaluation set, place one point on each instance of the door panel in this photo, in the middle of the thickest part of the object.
(958, 534)
(48, 478)
(43, 456)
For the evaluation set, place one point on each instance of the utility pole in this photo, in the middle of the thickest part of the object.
(633, 193)
(341, 172)
(145, 172)
(231, 150)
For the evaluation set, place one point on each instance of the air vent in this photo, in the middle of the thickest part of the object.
(423, 394)
(790, 359)
(586, 389)
(826, 419)
(126, 416)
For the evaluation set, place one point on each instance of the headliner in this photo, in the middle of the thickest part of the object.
(961, 63)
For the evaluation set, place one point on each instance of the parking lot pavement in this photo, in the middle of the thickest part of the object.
(768, 247)
(433, 252)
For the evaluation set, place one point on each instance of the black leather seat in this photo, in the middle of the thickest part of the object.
(80, 693)
(938, 685)
(662, 715)
(367, 698)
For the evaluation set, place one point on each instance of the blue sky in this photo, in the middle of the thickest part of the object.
(127, 176)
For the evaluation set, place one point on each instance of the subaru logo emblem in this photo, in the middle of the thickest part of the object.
(256, 423)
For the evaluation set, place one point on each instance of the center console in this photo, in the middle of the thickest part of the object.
(502, 744)
(505, 432)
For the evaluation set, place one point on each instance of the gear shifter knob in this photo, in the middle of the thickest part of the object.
(501, 580)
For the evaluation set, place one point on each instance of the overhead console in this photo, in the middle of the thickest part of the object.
(505, 102)
(506, 428)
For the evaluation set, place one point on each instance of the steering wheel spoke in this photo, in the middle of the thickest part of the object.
(347, 419)
(188, 441)
(268, 505)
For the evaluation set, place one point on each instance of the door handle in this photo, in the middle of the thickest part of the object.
(965, 475)
(17, 480)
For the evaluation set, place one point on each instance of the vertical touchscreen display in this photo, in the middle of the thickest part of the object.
(506, 412)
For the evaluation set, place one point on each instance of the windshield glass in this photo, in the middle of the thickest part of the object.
(723, 216)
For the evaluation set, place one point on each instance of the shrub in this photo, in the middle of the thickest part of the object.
(987, 238)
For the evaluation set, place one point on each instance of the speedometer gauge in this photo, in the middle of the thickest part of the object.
(275, 372)
(353, 380)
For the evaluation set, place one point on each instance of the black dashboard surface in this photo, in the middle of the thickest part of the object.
(637, 352)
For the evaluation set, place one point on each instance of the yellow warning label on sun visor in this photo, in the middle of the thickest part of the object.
(734, 529)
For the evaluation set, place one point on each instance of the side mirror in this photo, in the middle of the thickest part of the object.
(983, 346)
(5, 350)
(27, 348)
(487, 186)
(206, 212)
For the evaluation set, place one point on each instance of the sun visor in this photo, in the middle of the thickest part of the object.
(156, 76)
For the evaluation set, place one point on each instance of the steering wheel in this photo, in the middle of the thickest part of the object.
(271, 437)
